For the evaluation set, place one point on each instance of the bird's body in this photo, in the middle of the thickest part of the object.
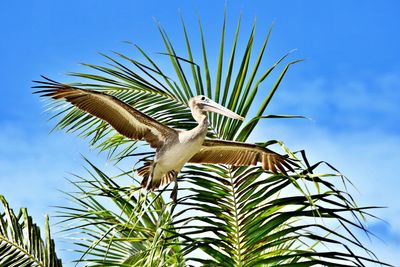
(176, 152)
(174, 148)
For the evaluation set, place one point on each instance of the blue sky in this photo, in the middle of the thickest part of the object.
(348, 86)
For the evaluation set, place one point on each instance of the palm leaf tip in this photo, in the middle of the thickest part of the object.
(47, 83)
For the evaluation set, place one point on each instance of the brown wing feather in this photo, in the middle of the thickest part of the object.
(121, 116)
(242, 154)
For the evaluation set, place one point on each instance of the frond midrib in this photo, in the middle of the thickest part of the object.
(238, 244)
(23, 250)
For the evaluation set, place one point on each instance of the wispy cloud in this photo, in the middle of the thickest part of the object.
(355, 126)
(370, 102)
(32, 167)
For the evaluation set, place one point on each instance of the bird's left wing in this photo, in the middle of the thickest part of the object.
(242, 154)
(122, 117)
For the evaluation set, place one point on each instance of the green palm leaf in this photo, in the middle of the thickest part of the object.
(20, 240)
(249, 220)
(119, 225)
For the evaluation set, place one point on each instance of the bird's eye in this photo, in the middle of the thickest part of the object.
(203, 98)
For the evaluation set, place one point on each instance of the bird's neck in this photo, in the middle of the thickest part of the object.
(200, 131)
(203, 123)
(199, 116)
(201, 119)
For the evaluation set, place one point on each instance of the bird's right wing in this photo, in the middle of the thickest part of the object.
(242, 154)
(122, 117)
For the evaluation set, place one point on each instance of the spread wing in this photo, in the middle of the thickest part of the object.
(121, 116)
(242, 154)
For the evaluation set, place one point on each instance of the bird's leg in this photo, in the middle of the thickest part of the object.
(150, 180)
(174, 193)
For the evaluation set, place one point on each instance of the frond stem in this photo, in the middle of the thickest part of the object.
(237, 226)
(33, 259)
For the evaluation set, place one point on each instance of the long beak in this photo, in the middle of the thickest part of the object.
(212, 106)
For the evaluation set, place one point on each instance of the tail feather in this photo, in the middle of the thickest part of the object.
(145, 171)
(153, 184)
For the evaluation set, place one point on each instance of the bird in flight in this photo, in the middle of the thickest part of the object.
(174, 148)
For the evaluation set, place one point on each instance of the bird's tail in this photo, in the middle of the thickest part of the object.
(153, 184)
(145, 171)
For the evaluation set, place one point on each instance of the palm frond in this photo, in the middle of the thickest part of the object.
(20, 240)
(247, 218)
(119, 225)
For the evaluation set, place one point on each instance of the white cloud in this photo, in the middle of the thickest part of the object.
(370, 102)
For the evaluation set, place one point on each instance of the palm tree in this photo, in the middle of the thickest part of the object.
(20, 240)
(225, 216)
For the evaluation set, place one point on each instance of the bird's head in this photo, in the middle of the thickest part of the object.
(204, 104)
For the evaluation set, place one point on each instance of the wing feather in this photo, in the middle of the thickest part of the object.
(122, 117)
(242, 154)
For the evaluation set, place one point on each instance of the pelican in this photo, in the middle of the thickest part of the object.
(174, 148)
